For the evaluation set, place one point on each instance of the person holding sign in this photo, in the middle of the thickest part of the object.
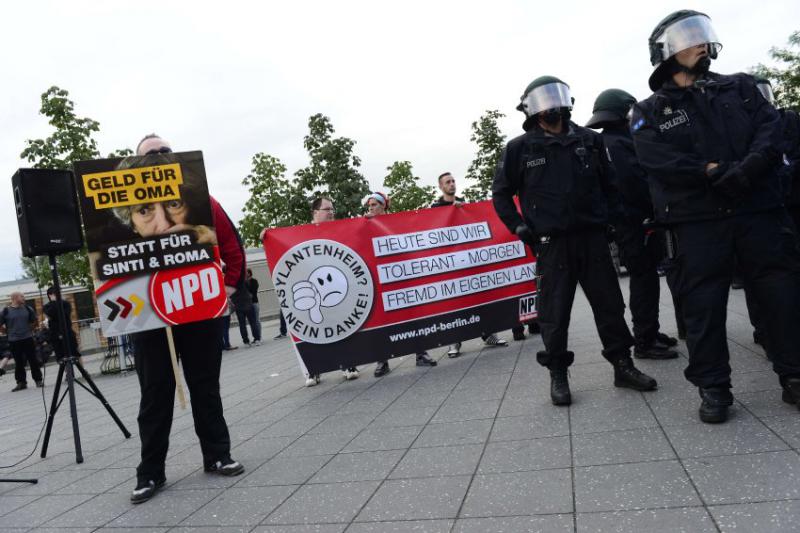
(563, 176)
(195, 342)
(447, 184)
(377, 204)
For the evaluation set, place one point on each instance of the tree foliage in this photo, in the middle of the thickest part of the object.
(404, 189)
(72, 140)
(785, 78)
(269, 198)
(332, 170)
(491, 141)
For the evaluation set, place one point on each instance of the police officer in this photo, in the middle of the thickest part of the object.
(641, 250)
(710, 146)
(562, 175)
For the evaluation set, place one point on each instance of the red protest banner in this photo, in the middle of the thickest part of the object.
(365, 289)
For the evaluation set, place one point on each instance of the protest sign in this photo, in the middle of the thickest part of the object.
(152, 246)
(365, 289)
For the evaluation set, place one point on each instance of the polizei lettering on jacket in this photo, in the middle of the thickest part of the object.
(536, 162)
(680, 117)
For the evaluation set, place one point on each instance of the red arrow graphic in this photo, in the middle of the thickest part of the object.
(126, 306)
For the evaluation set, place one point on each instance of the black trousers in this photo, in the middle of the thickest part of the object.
(24, 351)
(641, 255)
(563, 263)
(765, 247)
(197, 345)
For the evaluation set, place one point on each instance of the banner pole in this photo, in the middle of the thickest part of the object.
(175, 369)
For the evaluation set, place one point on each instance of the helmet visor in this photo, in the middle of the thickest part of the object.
(766, 90)
(686, 33)
(544, 97)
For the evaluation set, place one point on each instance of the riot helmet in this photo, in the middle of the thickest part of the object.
(680, 31)
(765, 88)
(545, 93)
(611, 105)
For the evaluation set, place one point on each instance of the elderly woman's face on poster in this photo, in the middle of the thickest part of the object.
(158, 218)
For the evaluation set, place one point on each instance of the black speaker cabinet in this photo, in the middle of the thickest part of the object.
(47, 211)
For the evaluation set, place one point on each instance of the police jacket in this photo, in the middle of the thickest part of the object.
(790, 170)
(631, 179)
(564, 182)
(677, 131)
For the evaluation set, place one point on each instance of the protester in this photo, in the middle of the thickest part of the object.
(641, 249)
(197, 344)
(562, 175)
(322, 210)
(447, 184)
(377, 204)
(19, 320)
(252, 314)
(711, 146)
(56, 338)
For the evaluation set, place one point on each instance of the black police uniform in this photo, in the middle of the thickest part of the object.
(565, 191)
(677, 132)
(641, 250)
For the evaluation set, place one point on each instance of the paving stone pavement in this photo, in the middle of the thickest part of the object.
(473, 445)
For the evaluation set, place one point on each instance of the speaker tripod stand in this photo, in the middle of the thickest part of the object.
(66, 368)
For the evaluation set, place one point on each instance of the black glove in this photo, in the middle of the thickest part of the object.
(733, 183)
(525, 234)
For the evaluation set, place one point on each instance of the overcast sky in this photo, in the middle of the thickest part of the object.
(404, 80)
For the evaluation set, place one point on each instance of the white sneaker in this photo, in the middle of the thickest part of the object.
(350, 373)
(257, 343)
(312, 380)
(455, 350)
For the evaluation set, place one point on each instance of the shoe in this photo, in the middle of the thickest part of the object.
(279, 336)
(246, 344)
(145, 489)
(666, 340)
(350, 373)
(791, 390)
(230, 348)
(423, 359)
(519, 334)
(20, 386)
(654, 351)
(714, 408)
(225, 467)
(2, 371)
(533, 328)
(559, 387)
(737, 284)
(628, 376)
(494, 340)
(39, 384)
(381, 369)
(312, 380)
(455, 350)
(257, 342)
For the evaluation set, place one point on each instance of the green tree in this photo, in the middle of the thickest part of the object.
(332, 170)
(785, 78)
(269, 199)
(491, 141)
(71, 141)
(404, 189)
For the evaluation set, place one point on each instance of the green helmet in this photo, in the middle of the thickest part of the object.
(677, 32)
(611, 105)
(543, 93)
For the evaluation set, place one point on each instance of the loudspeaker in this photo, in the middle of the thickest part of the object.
(47, 211)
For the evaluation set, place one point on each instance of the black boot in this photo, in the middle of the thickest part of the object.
(423, 359)
(518, 332)
(628, 376)
(382, 368)
(666, 340)
(533, 328)
(559, 386)
(716, 400)
(654, 351)
(791, 390)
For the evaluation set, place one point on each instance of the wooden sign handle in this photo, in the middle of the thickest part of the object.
(176, 369)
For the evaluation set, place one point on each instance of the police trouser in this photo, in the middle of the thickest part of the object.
(765, 246)
(197, 345)
(561, 264)
(641, 254)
